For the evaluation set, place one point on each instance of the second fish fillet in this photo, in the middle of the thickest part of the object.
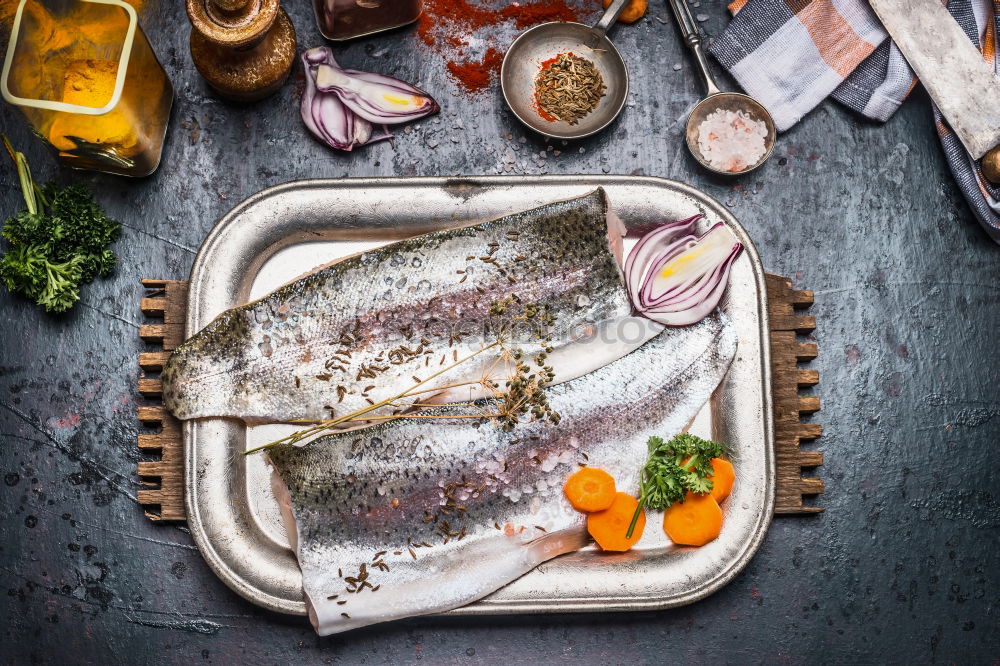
(422, 515)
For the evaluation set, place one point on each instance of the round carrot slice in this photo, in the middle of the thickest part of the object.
(723, 476)
(608, 527)
(693, 522)
(590, 489)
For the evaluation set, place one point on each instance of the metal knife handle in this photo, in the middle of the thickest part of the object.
(692, 37)
(611, 15)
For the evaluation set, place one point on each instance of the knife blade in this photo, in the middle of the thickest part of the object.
(958, 79)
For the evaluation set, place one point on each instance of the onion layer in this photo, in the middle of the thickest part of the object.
(374, 97)
(340, 105)
(675, 277)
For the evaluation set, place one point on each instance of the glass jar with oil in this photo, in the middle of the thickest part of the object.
(86, 78)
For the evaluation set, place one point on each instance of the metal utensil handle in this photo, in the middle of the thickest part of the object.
(692, 37)
(611, 15)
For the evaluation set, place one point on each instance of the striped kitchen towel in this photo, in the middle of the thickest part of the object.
(792, 54)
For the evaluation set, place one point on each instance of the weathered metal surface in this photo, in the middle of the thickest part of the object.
(950, 67)
(278, 234)
(901, 567)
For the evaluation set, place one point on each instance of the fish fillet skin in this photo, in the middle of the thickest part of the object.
(368, 327)
(489, 503)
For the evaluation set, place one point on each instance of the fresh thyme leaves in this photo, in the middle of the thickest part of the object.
(513, 383)
(365, 413)
(672, 469)
(568, 88)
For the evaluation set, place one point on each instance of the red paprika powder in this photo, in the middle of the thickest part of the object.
(446, 25)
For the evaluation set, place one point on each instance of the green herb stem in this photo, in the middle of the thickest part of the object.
(635, 519)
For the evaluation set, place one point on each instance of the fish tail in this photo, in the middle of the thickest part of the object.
(558, 543)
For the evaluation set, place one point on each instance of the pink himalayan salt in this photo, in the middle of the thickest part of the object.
(731, 140)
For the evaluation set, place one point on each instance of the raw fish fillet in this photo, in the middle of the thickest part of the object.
(368, 327)
(434, 514)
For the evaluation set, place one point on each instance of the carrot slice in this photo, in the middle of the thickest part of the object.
(608, 527)
(723, 475)
(633, 11)
(590, 489)
(693, 522)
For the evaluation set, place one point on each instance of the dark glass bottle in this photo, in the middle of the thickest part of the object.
(346, 19)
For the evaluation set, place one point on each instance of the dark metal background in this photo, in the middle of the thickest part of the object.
(902, 567)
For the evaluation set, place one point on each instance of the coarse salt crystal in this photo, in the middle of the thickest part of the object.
(731, 140)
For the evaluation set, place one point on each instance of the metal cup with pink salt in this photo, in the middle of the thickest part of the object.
(728, 133)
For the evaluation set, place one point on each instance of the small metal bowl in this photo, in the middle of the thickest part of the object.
(524, 59)
(728, 101)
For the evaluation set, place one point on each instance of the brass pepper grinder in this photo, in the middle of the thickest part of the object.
(990, 165)
(243, 48)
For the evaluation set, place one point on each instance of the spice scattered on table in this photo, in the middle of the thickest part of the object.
(567, 88)
(451, 27)
(732, 140)
(475, 76)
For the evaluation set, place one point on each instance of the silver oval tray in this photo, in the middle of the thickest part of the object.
(284, 231)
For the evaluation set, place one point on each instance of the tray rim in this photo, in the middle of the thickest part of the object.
(486, 607)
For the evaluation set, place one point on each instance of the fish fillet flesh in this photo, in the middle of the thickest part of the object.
(369, 327)
(420, 516)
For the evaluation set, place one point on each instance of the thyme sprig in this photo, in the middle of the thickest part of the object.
(515, 387)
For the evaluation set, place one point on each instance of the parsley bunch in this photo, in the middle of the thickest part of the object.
(672, 470)
(57, 244)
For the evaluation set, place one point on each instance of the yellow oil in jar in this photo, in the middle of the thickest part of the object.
(72, 54)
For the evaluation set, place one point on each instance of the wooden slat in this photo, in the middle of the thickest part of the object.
(805, 352)
(786, 381)
(153, 361)
(808, 404)
(808, 378)
(153, 441)
(168, 336)
(809, 430)
(150, 388)
(163, 479)
(151, 413)
(810, 458)
(780, 509)
(154, 307)
(800, 298)
(810, 486)
(801, 458)
(800, 324)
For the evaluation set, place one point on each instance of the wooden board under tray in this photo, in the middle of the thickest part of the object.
(163, 494)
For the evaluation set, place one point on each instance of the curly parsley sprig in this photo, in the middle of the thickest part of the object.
(57, 244)
(672, 469)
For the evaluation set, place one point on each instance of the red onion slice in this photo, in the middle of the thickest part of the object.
(331, 114)
(374, 97)
(656, 241)
(675, 277)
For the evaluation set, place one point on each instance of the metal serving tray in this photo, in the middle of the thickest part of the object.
(284, 231)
